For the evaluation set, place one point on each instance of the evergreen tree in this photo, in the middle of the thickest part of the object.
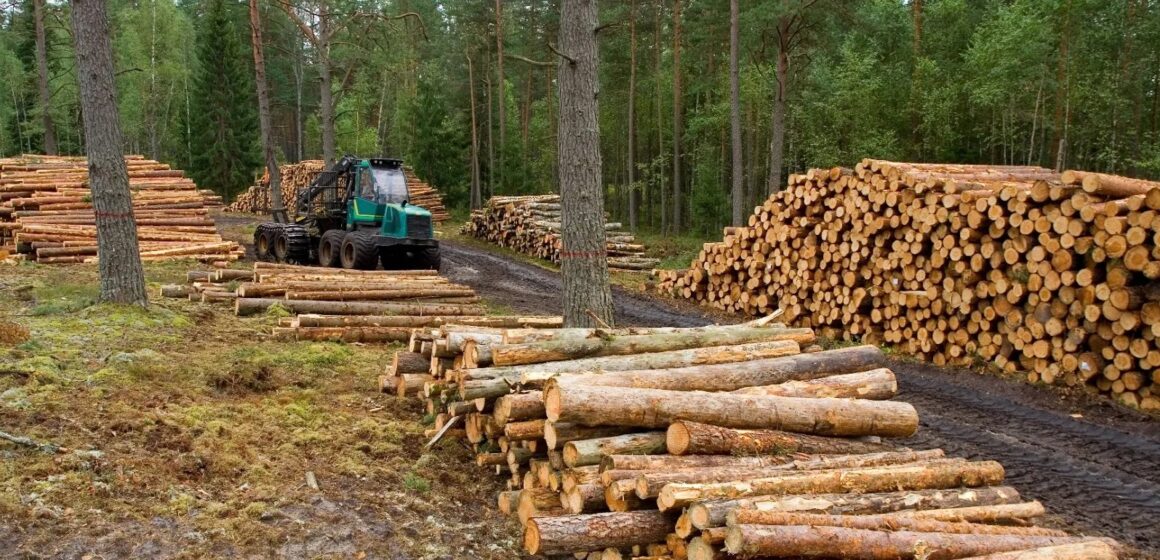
(224, 119)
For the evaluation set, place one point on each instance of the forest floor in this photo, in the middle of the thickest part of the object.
(190, 432)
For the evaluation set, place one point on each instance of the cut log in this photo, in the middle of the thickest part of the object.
(885, 522)
(571, 349)
(655, 360)
(650, 483)
(1086, 550)
(509, 501)
(714, 513)
(747, 373)
(875, 479)
(590, 451)
(840, 542)
(584, 498)
(520, 431)
(876, 384)
(569, 533)
(695, 438)
(519, 406)
(497, 321)
(657, 408)
(689, 462)
(409, 384)
(556, 434)
(251, 306)
(408, 362)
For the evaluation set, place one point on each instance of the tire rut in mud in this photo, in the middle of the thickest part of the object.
(1098, 479)
(530, 289)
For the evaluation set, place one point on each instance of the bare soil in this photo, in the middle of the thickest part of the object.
(1095, 465)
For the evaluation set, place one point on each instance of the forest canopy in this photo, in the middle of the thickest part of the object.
(1056, 83)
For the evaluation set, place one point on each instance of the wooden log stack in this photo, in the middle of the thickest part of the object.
(1054, 275)
(297, 176)
(531, 225)
(707, 443)
(330, 304)
(46, 212)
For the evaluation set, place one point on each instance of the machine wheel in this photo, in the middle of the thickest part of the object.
(330, 248)
(430, 259)
(359, 251)
(264, 241)
(292, 244)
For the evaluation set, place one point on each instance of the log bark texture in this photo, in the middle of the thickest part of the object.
(569, 533)
(695, 438)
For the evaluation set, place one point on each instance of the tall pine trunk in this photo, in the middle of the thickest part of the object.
(122, 277)
(678, 101)
(587, 294)
(735, 111)
(326, 95)
(42, 78)
(633, 196)
(279, 209)
(476, 195)
(777, 125)
(500, 91)
(1059, 124)
(661, 191)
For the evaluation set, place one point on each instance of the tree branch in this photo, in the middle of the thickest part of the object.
(530, 61)
(560, 54)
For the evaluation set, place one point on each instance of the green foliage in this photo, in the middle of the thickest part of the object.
(224, 120)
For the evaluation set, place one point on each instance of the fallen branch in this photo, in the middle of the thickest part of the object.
(47, 448)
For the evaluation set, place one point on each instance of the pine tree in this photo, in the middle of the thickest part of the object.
(224, 120)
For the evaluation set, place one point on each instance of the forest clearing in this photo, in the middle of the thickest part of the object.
(649, 279)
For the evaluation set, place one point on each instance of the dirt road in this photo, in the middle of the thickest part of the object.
(1095, 466)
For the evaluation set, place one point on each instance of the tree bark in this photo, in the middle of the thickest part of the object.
(838, 542)
(409, 362)
(886, 522)
(590, 451)
(587, 293)
(738, 175)
(694, 438)
(569, 533)
(873, 479)
(715, 513)
(733, 374)
(878, 384)
(42, 78)
(264, 119)
(571, 349)
(1087, 550)
(633, 194)
(671, 463)
(678, 116)
(656, 408)
(122, 276)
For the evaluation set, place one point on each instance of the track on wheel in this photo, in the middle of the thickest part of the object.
(1094, 465)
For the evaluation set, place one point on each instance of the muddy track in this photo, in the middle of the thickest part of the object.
(1097, 474)
(529, 289)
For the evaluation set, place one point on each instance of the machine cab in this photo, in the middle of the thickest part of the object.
(379, 185)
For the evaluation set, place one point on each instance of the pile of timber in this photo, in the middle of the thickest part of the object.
(531, 225)
(710, 442)
(297, 176)
(46, 212)
(329, 304)
(1050, 274)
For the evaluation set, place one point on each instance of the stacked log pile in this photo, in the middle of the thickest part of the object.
(531, 225)
(330, 304)
(1050, 274)
(297, 176)
(707, 443)
(46, 212)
